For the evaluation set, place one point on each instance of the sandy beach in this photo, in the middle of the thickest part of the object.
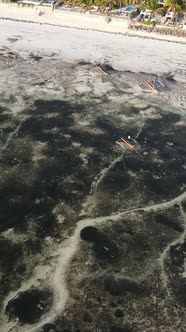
(62, 18)
(122, 52)
(85, 37)
(77, 20)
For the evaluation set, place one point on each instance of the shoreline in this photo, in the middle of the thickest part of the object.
(80, 21)
(128, 33)
(76, 44)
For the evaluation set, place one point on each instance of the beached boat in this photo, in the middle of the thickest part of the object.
(103, 69)
(156, 86)
(129, 143)
(107, 69)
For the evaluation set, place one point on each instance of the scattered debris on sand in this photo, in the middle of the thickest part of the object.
(6, 53)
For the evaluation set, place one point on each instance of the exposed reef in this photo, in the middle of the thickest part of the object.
(93, 234)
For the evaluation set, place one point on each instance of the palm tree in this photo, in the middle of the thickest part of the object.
(150, 4)
(173, 6)
(131, 2)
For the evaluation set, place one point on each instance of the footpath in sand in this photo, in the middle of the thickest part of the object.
(45, 15)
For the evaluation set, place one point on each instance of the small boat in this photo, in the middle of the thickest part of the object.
(145, 88)
(103, 69)
(160, 85)
(152, 86)
(129, 143)
(156, 86)
(107, 69)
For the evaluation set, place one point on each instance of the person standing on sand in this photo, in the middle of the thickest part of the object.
(108, 18)
(53, 5)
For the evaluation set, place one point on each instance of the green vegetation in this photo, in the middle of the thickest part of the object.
(101, 4)
(176, 6)
(148, 22)
(25, 4)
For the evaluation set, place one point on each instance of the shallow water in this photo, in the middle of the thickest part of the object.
(62, 171)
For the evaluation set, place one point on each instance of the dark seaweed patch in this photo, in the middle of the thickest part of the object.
(106, 250)
(18, 151)
(121, 329)
(62, 325)
(40, 126)
(163, 123)
(179, 289)
(174, 166)
(116, 181)
(130, 111)
(164, 187)
(179, 136)
(4, 117)
(108, 124)
(138, 163)
(118, 313)
(87, 317)
(46, 225)
(89, 233)
(54, 106)
(120, 286)
(104, 247)
(184, 205)
(49, 328)
(9, 255)
(103, 142)
(30, 305)
(16, 202)
(34, 245)
(113, 304)
(177, 256)
(12, 99)
(171, 117)
(159, 131)
(164, 220)
(53, 177)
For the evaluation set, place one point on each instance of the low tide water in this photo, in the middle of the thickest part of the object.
(61, 170)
